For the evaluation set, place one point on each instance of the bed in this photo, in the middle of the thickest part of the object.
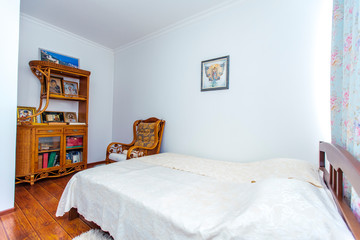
(172, 196)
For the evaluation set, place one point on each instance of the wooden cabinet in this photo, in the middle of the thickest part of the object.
(50, 150)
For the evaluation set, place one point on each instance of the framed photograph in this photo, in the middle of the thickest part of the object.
(215, 74)
(46, 55)
(48, 117)
(26, 111)
(70, 88)
(56, 85)
(70, 117)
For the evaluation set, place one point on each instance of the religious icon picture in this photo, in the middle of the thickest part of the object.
(48, 117)
(70, 88)
(215, 74)
(70, 117)
(55, 85)
(23, 112)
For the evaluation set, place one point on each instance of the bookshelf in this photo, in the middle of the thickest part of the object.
(46, 150)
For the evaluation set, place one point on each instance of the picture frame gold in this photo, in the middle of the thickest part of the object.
(70, 117)
(24, 112)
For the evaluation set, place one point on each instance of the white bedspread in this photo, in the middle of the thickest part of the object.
(139, 200)
(239, 172)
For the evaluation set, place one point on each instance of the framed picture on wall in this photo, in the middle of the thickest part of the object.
(50, 56)
(215, 74)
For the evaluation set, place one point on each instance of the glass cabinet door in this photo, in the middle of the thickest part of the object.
(48, 152)
(74, 149)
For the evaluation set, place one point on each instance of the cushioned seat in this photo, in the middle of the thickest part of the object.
(117, 157)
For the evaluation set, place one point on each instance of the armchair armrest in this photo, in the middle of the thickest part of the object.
(143, 151)
(116, 147)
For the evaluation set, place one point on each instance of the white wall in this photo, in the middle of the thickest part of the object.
(279, 67)
(35, 34)
(9, 14)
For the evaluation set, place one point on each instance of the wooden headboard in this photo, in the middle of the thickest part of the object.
(342, 163)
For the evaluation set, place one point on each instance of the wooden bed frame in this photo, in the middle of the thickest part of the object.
(342, 163)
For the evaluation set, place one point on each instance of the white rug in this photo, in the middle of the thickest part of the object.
(94, 234)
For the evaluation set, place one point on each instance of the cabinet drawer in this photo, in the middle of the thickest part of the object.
(77, 130)
(48, 131)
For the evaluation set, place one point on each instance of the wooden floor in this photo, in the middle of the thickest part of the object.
(34, 215)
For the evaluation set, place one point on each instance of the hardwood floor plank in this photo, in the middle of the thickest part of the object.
(90, 224)
(53, 231)
(31, 208)
(2, 231)
(32, 236)
(34, 215)
(64, 180)
(17, 226)
(74, 227)
(46, 199)
(53, 188)
(50, 203)
(38, 190)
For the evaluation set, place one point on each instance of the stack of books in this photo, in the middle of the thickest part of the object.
(73, 157)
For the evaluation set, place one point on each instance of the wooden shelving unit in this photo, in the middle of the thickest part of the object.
(37, 143)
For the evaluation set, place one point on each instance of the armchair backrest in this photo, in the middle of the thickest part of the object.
(148, 133)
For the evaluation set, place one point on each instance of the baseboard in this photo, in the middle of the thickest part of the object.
(7, 211)
(90, 165)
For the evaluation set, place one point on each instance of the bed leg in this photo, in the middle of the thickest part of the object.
(73, 213)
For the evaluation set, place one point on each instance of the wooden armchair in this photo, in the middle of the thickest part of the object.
(147, 141)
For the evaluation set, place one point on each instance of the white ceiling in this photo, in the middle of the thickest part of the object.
(116, 23)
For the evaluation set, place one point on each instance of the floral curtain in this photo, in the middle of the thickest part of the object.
(345, 85)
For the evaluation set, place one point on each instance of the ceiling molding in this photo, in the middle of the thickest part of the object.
(63, 31)
(179, 24)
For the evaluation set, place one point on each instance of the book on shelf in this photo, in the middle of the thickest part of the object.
(76, 158)
(68, 156)
(57, 162)
(77, 123)
(40, 161)
(51, 159)
(45, 160)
